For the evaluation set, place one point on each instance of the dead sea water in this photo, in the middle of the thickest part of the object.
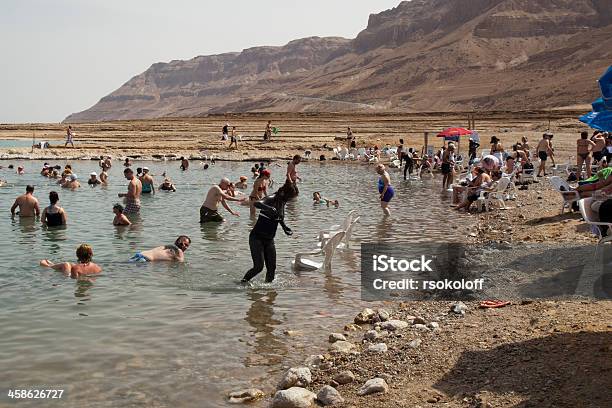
(160, 335)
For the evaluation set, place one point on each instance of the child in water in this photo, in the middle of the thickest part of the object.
(317, 199)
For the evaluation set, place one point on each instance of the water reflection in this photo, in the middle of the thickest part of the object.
(269, 348)
(83, 285)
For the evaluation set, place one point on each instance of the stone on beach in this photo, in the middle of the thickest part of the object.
(248, 395)
(334, 337)
(383, 315)
(344, 377)
(294, 397)
(459, 308)
(373, 386)
(372, 335)
(366, 316)
(378, 348)
(393, 325)
(420, 327)
(328, 395)
(314, 360)
(341, 347)
(295, 377)
(415, 343)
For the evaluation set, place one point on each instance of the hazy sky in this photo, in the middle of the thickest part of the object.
(61, 56)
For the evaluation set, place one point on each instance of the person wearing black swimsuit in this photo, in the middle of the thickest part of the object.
(53, 215)
(261, 238)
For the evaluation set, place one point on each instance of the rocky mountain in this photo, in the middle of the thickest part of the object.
(423, 55)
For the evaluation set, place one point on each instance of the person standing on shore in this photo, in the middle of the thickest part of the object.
(261, 238)
(209, 211)
(544, 151)
(584, 147)
(69, 136)
(350, 139)
(448, 166)
(224, 132)
(268, 132)
(384, 188)
(292, 174)
(27, 204)
(233, 140)
(147, 182)
(132, 197)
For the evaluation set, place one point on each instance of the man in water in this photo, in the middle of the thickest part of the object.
(27, 203)
(209, 212)
(544, 151)
(184, 164)
(84, 254)
(292, 174)
(147, 182)
(384, 188)
(173, 252)
(72, 182)
(132, 197)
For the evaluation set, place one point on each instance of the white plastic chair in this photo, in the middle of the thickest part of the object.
(345, 244)
(592, 218)
(343, 153)
(569, 196)
(300, 262)
(350, 217)
(495, 196)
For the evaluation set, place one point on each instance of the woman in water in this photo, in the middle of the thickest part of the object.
(53, 215)
(261, 238)
(260, 189)
(384, 188)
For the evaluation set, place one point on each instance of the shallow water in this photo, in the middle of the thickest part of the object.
(163, 335)
(8, 143)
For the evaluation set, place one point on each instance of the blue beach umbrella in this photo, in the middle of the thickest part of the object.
(601, 116)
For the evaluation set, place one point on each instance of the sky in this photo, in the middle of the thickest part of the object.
(61, 56)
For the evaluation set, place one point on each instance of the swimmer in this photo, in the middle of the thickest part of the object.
(93, 179)
(120, 218)
(132, 197)
(127, 162)
(104, 176)
(27, 203)
(71, 182)
(53, 215)
(167, 185)
(147, 182)
(261, 238)
(209, 211)
(292, 174)
(242, 184)
(184, 164)
(20, 170)
(317, 199)
(85, 266)
(384, 188)
(174, 252)
(260, 189)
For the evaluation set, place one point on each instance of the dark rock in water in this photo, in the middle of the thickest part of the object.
(248, 395)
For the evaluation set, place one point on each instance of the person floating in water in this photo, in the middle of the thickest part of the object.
(384, 188)
(261, 238)
(120, 218)
(93, 179)
(27, 204)
(318, 199)
(209, 212)
(85, 266)
(167, 185)
(173, 252)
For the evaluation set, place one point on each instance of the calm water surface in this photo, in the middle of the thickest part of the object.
(159, 335)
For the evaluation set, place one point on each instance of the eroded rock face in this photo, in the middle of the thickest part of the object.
(511, 44)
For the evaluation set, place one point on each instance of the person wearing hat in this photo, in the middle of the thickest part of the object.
(242, 184)
(147, 182)
(71, 182)
(93, 179)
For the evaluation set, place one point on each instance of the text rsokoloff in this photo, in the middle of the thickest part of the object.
(413, 284)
